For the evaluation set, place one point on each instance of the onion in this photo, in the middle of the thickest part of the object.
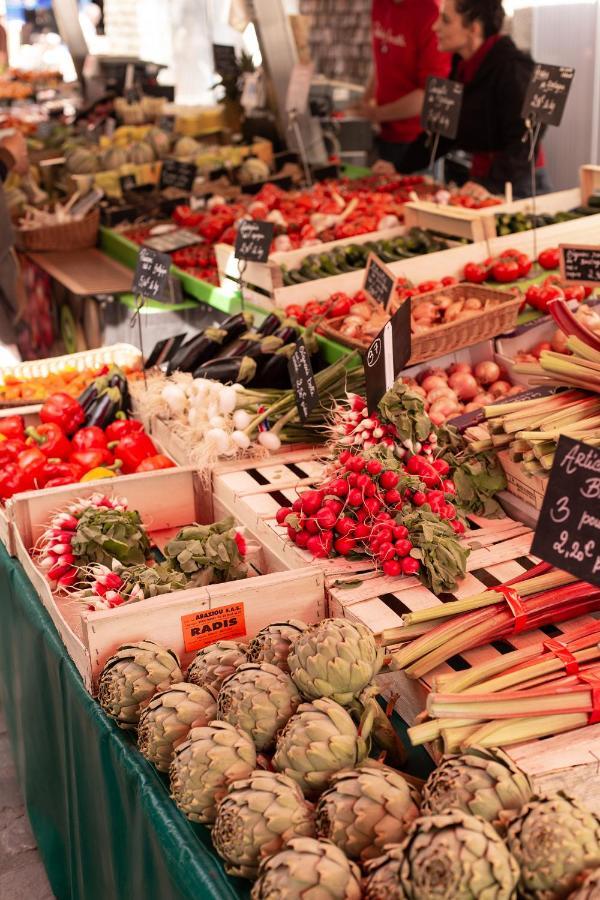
(559, 341)
(472, 406)
(227, 400)
(434, 381)
(442, 410)
(515, 389)
(240, 439)
(241, 419)
(499, 388)
(488, 371)
(269, 440)
(473, 303)
(175, 398)
(461, 367)
(388, 221)
(440, 393)
(483, 399)
(218, 439)
(217, 422)
(464, 384)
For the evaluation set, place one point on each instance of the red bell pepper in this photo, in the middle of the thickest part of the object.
(92, 458)
(154, 463)
(32, 462)
(90, 438)
(57, 473)
(13, 427)
(132, 449)
(9, 450)
(13, 480)
(120, 427)
(63, 410)
(50, 439)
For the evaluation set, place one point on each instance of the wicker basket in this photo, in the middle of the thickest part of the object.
(499, 315)
(77, 235)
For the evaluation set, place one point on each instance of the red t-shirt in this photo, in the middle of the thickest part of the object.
(405, 54)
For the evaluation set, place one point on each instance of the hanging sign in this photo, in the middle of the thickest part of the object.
(581, 264)
(547, 94)
(303, 381)
(253, 240)
(442, 106)
(387, 355)
(151, 277)
(379, 281)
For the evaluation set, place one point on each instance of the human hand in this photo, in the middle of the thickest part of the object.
(383, 167)
(17, 147)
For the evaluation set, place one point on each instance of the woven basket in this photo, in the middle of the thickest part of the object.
(499, 315)
(77, 235)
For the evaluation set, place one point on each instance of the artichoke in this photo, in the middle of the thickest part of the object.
(212, 665)
(480, 782)
(166, 721)
(104, 534)
(307, 868)
(589, 887)
(273, 643)
(554, 838)
(256, 818)
(335, 659)
(204, 766)
(208, 554)
(317, 742)
(133, 676)
(365, 808)
(259, 699)
(453, 856)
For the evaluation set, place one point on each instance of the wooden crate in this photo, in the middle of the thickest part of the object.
(589, 181)
(91, 637)
(528, 488)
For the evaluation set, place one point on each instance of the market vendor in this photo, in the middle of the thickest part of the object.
(13, 157)
(405, 53)
(495, 74)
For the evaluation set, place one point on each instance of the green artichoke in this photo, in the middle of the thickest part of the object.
(589, 887)
(336, 658)
(453, 856)
(133, 676)
(320, 740)
(212, 665)
(307, 868)
(365, 808)
(104, 534)
(256, 818)
(273, 643)
(480, 782)
(554, 838)
(208, 554)
(259, 699)
(203, 767)
(166, 721)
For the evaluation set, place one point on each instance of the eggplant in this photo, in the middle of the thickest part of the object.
(272, 371)
(106, 408)
(208, 343)
(229, 369)
(288, 334)
(88, 397)
(270, 325)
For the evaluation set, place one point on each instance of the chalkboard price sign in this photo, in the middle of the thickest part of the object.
(178, 174)
(379, 281)
(387, 356)
(253, 240)
(302, 380)
(568, 532)
(128, 182)
(442, 106)
(173, 240)
(547, 94)
(151, 277)
(581, 264)
(225, 62)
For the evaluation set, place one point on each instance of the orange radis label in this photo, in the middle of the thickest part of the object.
(203, 628)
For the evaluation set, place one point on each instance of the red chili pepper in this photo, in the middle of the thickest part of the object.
(153, 463)
(55, 473)
(13, 427)
(13, 480)
(63, 410)
(92, 458)
(90, 438)
(9, 450)
(132, 449)
(120, 427)
(51, 440)
(32, 462)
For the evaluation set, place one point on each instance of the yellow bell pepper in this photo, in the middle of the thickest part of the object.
(99, 472)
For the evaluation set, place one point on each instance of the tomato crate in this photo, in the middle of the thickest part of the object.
(241, 608)
(500, 551)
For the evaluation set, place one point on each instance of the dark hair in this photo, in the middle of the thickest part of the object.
(489, 12)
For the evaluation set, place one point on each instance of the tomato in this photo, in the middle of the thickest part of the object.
(549, 258)
(548, 293)
(448, 280)
(313, 308)
(340, 306)
(427, 286)
(475, 273)
(506, 271)
(532, 295)
(293, 311)
(575, 292)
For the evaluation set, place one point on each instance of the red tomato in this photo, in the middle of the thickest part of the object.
(548, 293)
(313, 308)
(575, 292)
(549, 258)
(340, 307)
(475, 273)
(427, 286)
(506, 271)
(447, 280)
(295, 312)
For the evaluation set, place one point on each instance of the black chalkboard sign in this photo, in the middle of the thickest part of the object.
(302, 380)
(151, 277)
(178, 174)
(253, 240)
(172, 240)
(379, 281)
(580, 264)
(442, 106)
(547, 94)
(387, 356)
(128, 182)
(568, 532)
(225, 62)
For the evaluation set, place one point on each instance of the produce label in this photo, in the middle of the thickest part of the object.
(379, 281)
(173, 240)
(302, 379)
(178, 174)
(151, 277)
(581, 264)
(387, 356)
(442, 106)
(225, 62)
(128, 182)
(568, 531)
(221, 624)
(547, 94)
(253, 240)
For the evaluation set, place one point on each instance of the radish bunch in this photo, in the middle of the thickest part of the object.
(354, 427)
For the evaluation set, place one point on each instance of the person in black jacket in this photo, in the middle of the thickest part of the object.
(495, 74)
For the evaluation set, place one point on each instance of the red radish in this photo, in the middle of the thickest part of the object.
(58, 570)
(464, 384)
(339, 487)
(410, 566)
(383, 533)
(297, 505)
(325, 518)
(302, 538)
(355, 497)
(419, 498)
(372, 506)
(536, 351)
(386, 551)
(312, 526)
(400, 532)
(311, 501)
(336, 506)
(441, 466)
(292, 533)
(362, 531)
(392, 568)
(448, 486)
(403, 547)
(345, 545)
(487, 371)
(282, 514)
(388, 479)
(393, 497)
(458, 526)
(374, 467)
(345, 525)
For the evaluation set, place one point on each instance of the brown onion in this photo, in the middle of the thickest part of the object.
(464, 384)
(487, 371)
(499, 388)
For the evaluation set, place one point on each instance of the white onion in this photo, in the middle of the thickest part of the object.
(218, 438)
(217, 422)
(240, 439)
(200, 387)
(175, 398)
(241, 419)
(269, 440)
(227, 400)
(388, 221)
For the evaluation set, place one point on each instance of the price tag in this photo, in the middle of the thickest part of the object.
(151, 277)
(203, 628)
(253, 240)
(178, 174)
(172, 240)
(442, 106)
(568, 531)
(225, 62)
(128, 182)
(379, 281)
(581, 264)
(302, 380)
(298, 88)
(387, 356)
(547, 94)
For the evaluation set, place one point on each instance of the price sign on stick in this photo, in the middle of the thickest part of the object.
(178, 174)
(568, 532)
(547, 94)
(302, 380)
(442, 106)
(379, 281)
(225, 62)
(581, 264)
(387, 356)
(151, 278)
(173, 240)
(253, 240)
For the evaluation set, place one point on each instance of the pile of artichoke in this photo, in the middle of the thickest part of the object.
(269, 745)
